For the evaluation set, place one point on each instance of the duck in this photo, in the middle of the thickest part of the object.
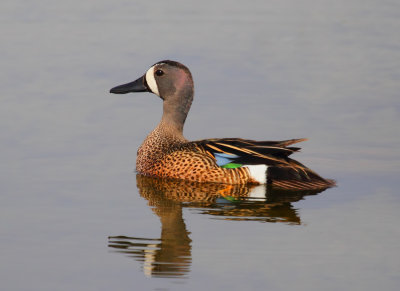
(166, 153)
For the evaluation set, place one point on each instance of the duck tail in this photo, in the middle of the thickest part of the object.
(290, 178)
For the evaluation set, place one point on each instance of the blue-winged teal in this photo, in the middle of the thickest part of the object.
(166, 153)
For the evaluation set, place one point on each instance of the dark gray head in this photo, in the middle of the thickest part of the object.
(170, 80)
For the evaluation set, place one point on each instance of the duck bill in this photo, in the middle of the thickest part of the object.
(136, 86)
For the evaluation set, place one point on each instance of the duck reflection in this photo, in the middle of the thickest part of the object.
(170, 255)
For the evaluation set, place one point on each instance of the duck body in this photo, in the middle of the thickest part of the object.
(166, 153)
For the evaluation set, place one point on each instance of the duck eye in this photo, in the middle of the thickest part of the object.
(159, 73)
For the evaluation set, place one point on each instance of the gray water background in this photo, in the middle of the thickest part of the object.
(325, 70)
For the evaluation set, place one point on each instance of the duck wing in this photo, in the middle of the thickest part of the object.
(250, 152)
(283, 171)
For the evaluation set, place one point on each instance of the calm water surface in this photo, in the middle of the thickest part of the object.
(75, 216)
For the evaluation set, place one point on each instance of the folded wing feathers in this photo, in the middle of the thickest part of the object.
(249, 151)
(283, 171)
(243, 150)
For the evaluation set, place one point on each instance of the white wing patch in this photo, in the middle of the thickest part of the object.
(151, 81)
(258, 172)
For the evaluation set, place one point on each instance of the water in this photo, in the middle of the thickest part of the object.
(76, 217)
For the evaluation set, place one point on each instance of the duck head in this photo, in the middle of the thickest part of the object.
(172, 82)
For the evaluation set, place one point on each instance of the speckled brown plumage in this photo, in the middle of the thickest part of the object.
(164, 154)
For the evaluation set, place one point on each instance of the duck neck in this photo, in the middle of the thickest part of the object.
(175, 111)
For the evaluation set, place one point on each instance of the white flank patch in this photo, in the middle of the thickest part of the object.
(151, 81)
(258, 172)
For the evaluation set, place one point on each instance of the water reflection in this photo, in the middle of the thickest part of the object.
(170, 255)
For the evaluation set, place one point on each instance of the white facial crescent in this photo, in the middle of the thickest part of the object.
(151, 81)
